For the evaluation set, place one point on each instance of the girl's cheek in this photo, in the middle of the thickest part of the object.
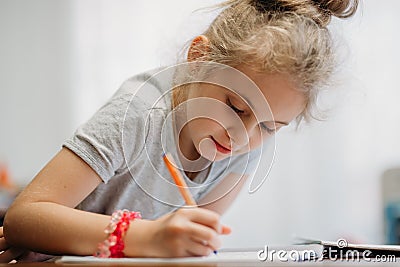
(256, 141)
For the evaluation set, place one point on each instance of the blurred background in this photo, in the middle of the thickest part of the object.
(61, 60)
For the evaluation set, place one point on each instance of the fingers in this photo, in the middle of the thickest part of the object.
(199, 249)
(189, 232)
(205, 217)
(226, 230)
(3, 244)
(205, 236)
(10, 255)
(30, 256)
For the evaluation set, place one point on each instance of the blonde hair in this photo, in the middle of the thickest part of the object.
(278, 36)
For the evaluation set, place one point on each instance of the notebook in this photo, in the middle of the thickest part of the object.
(255, 256)
(342, 250)
(304, 250)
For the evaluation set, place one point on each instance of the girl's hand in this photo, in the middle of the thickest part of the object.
(186, 232)
(8, 253)
(12, 254)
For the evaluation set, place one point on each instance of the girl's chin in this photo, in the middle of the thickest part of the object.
(207, 149)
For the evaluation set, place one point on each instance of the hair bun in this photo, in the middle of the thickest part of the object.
(319, 10)
(272, 6)
(338, 8)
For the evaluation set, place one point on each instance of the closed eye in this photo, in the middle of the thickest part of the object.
(238, 111)
(268, 129)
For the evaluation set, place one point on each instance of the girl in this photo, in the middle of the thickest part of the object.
(256, 68)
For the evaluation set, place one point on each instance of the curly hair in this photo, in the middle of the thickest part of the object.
(278, 36)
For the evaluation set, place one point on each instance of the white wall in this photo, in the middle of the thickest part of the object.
(60, 60)
(36, 67)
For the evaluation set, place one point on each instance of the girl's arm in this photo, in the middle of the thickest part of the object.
(43, 218)
(222, 196)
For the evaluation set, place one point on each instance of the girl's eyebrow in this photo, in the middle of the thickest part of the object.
(281, 122)
(278, 122)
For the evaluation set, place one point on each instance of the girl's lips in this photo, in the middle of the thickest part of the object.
(221, 148)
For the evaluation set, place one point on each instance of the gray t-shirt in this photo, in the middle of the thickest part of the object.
(124, 142)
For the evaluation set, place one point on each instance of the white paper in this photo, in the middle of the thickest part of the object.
(223, 256)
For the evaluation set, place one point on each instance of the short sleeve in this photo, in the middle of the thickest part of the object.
(99, 142)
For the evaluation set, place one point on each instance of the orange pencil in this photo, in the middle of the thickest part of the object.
(179, 181)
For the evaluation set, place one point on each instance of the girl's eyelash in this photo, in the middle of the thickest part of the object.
(229, 103)
(238, 111)
(267, 129)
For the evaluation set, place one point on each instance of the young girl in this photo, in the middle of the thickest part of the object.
(256, 68)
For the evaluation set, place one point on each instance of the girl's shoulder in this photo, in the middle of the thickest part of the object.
(150, 84)
(140, 94)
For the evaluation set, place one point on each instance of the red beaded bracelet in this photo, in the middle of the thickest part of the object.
(114, 245)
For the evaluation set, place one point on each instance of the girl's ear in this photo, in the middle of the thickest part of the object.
(198, 48)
